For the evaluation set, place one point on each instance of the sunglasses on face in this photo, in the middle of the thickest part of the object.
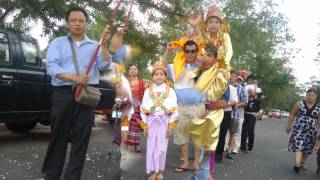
(187, 51)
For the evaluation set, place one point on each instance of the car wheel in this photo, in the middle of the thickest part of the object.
(21, 127)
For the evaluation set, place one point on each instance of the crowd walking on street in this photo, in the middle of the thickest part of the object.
(196, 98)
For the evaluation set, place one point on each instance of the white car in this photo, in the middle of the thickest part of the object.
(284, 114)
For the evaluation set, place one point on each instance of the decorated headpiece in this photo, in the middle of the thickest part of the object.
(214, 11)
(117, 79)
(117, 82)
(158, 65)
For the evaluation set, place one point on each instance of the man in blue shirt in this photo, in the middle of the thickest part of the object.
(71, 121)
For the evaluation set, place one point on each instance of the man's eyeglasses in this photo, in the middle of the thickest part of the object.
(190, 51)
(74, 21)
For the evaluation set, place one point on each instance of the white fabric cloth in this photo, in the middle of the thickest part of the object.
(186, 79)
(233, 97)
(169, 102)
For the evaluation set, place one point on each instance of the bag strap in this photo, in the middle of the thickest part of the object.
(74, 57)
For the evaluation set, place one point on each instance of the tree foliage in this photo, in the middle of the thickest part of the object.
(258, 33)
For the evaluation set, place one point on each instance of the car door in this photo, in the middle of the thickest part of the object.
(8, 74)
(31, 77)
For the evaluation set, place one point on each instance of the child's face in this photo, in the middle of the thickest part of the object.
(208, 62)
(213, 25)
(159, 77)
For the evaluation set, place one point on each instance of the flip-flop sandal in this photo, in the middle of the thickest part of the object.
(195, 171)
(210, 178)
(137, 150)
(158, 177)
(179, 169)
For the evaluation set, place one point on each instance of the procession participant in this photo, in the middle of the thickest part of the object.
(239, 112)
(137, 88)
(216, 33)
(182, 72)
(250, 117)
(302, 127)
(236, 125)
(70, 120)
(205, 130)
(122, 111)
(158, 112)
(227, 121)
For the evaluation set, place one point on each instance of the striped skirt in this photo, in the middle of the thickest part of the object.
(134, 133)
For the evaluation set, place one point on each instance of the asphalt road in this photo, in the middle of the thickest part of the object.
(21, 157)
(270, 160)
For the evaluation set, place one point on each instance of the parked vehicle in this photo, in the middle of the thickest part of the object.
(284, 114)
(274, 113)
(25, 88)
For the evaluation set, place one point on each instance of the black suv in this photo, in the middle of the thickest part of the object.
(25, 89)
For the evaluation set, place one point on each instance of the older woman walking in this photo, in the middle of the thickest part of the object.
(302, 125)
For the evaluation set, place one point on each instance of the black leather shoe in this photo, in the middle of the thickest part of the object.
(296, 169)
(219, 158)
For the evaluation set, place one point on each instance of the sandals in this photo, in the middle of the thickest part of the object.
(42, 178)
(137, 149)
(195, 171)
(159, 176)
(180, 169)
(210, 177)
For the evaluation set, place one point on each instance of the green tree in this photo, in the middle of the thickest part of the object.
(17, 14)
(315, 83)
(259, 35)
(258, 32)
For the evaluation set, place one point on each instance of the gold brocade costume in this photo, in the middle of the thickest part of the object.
(213, 84)
(205, 132)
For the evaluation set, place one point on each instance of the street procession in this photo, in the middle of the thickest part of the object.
(156, 90)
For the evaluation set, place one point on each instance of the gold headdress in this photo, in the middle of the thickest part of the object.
(117, 79)
(158, 65)
(214, 11)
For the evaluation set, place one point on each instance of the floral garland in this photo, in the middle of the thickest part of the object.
(158, 101)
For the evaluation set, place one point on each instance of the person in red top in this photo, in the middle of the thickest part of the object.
(137, 88)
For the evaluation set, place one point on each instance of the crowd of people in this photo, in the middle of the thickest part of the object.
(206, 102)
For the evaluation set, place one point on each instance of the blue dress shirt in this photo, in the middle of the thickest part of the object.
(59, 60)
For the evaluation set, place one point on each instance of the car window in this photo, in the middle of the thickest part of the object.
(30, 52)
(4, 49)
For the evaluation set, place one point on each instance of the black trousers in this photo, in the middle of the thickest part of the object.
(70, 122)
(248, 127)
(224, 127)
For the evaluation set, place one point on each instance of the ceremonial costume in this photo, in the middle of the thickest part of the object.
(213, 84)
(158, 112)
(134, 126)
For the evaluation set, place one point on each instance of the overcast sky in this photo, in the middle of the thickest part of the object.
(304, 24)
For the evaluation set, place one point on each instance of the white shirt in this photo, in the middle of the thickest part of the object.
(186, 79)
(169, 103)
(233, 97)
(247, 88)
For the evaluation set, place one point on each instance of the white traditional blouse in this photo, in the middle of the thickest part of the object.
(159, 99)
